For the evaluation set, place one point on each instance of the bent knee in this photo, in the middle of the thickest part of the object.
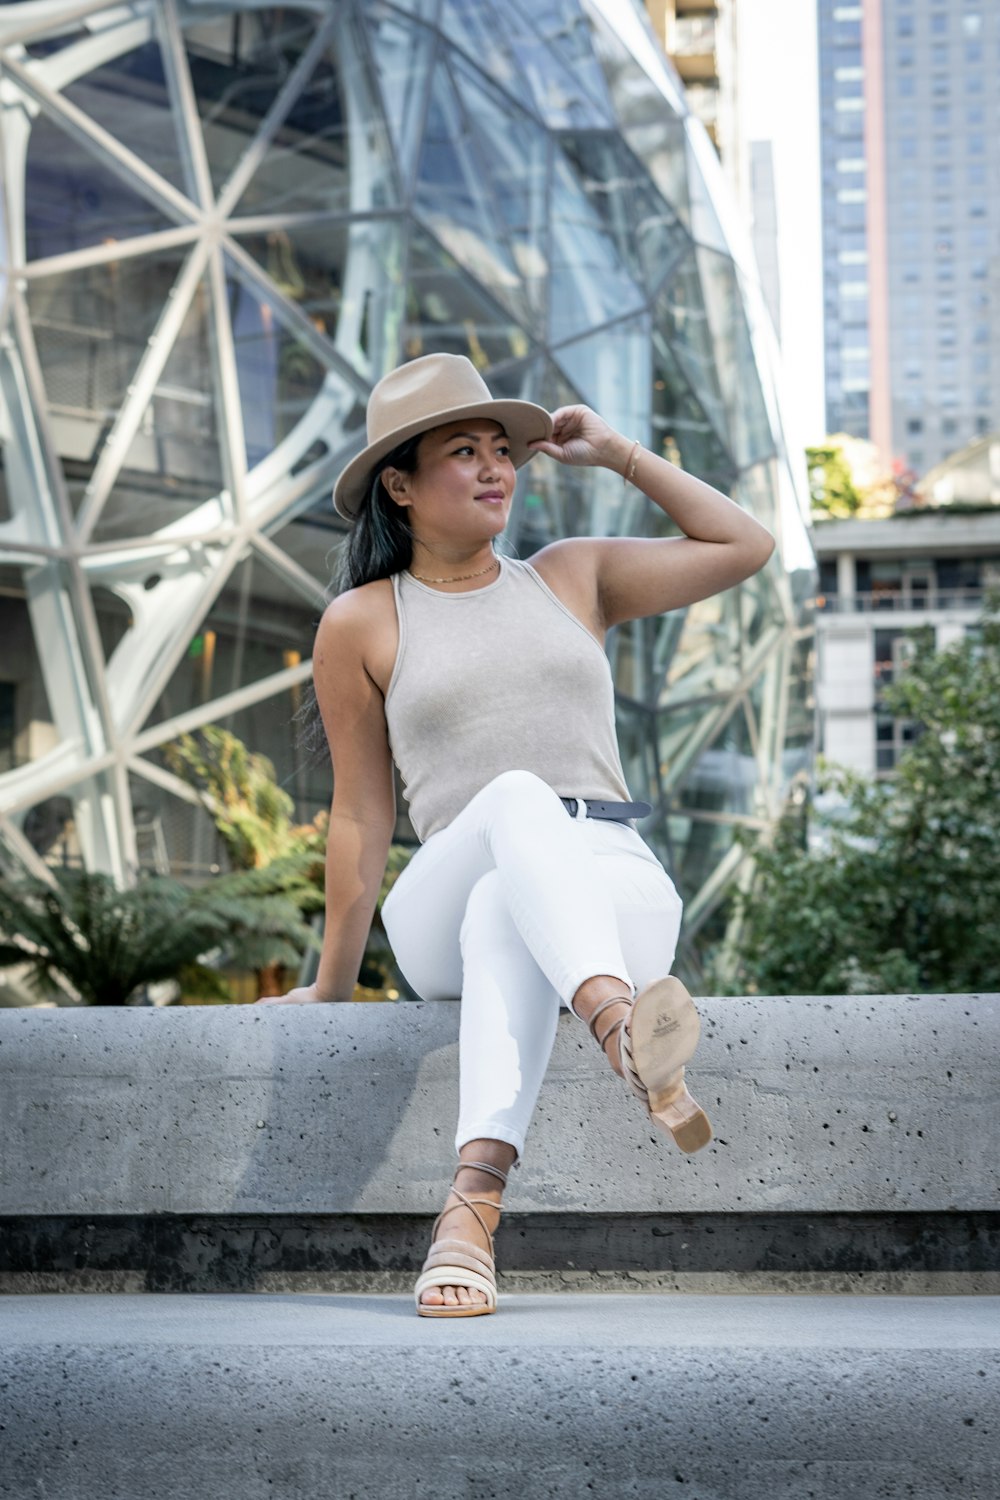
(519, 788)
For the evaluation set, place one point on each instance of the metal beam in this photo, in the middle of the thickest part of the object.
(128, 167)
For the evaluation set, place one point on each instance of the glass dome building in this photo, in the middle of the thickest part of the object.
(221, 223)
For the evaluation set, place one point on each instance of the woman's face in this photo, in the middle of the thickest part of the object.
(462, 487)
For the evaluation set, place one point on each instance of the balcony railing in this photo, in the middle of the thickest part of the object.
(899, 602)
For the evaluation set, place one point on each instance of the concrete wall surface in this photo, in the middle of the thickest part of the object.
(855, 1104)
(628, 1398)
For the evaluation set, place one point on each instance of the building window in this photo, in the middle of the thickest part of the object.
(939, 24)
(973, 52)
(972, 24)
(975, 143)
(914, 425)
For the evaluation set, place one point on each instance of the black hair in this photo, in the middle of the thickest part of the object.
(380, 542)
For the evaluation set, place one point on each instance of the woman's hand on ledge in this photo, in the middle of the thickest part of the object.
(305, 995)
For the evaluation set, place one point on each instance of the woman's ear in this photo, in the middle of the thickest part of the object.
(394, 482)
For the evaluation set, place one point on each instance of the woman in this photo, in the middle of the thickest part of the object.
(486, 681)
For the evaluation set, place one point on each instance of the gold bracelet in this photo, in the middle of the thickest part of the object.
(633, 459)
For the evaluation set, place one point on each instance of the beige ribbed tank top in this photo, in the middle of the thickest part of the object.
(501, 678)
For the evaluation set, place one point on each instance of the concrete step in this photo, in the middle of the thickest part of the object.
(117, 1397)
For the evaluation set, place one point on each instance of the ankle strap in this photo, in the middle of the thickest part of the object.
(483, 1166)
(598, 1009)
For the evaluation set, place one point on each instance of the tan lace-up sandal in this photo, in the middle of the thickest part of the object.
(657, 1037)
(454, 1262)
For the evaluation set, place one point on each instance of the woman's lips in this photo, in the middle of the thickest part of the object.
(494, 497)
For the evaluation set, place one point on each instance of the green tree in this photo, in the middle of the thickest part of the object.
(847, 478)
(84, 935)
(897, 886)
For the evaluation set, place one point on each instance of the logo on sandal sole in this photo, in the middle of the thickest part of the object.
(665, 1025)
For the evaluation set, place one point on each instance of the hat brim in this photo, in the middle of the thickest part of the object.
(523, 422)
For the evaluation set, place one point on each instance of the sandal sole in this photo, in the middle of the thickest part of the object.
(664, 1029)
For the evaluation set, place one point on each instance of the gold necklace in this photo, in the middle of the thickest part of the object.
(459, 578)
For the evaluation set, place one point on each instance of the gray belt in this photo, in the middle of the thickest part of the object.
(617, 812)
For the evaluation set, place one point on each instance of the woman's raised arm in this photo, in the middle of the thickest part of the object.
(636, 576)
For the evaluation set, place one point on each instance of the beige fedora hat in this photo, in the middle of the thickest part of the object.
(428, 392)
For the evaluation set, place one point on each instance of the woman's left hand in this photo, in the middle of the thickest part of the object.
(580, 437)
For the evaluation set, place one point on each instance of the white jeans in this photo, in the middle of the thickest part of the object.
(511, 907)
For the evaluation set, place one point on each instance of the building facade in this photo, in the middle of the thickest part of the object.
(911, 221)
(880, 579)
(220, 225)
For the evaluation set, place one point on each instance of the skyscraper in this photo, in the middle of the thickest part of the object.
(911, 214)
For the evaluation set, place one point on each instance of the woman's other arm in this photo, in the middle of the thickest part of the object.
(363, 811)
(636, 576)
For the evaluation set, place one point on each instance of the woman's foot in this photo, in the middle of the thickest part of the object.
(461, 1222)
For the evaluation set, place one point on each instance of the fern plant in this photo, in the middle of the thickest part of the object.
(107, 944)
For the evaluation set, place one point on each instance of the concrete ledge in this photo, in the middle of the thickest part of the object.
(874, 1104)
(109, 1398)
(909, 1253)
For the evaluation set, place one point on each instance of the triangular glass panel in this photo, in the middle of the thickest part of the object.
(641, 651)
(278, 371)
(91, 327)
(707, 656)
(682, 731)
(424, 10)
(682, 322)
(646, 231)
(725, 777)
(513, 158)
(173, 836)
(682, 429)
(589, 284)
(473, 27)
(639, 87)
(735, 358)
(258, 624)
(446, 311)
(403, 54)
(347, 277)
(552, 48)
(452, 197)
(173, 469)
(72, 200)
(130, 97)
(27, 724)
(329, 155)
(704, 177)
(612, 369)
(238, 62)
(558, 500)
(312, 538)
(697, 849)
(638, 749)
